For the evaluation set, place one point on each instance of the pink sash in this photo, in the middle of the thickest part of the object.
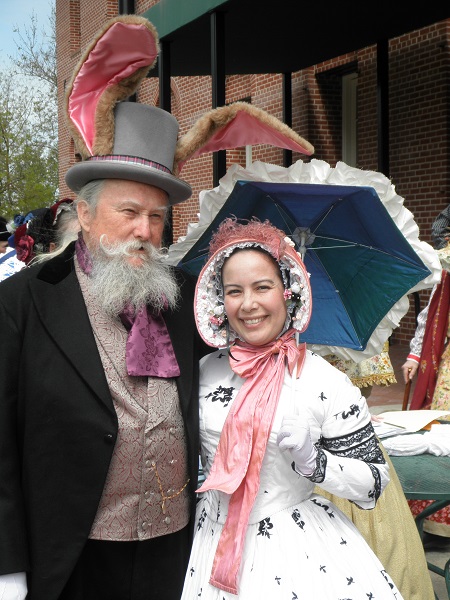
(242, 445)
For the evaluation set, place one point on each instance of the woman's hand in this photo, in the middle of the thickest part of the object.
(409, 369)
(294, 435)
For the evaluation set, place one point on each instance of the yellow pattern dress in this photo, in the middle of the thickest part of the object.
(377, 370)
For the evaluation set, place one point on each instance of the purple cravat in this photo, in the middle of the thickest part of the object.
(149, 350)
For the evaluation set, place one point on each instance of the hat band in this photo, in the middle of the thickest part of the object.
(134, 160)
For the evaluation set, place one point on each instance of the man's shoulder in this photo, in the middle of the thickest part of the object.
(52, 271)
(186, 282)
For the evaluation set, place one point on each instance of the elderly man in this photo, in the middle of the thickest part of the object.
(99, 391)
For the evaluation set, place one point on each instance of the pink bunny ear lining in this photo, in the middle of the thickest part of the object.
(121, 51)
(245, 129)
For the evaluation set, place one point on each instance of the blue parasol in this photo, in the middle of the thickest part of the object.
(359, 261)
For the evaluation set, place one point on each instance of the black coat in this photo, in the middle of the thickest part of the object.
(57, 421)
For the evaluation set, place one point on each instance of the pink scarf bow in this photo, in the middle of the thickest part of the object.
(242, 445)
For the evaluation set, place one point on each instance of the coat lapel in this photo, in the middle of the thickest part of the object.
(179, 322)
(60, 304)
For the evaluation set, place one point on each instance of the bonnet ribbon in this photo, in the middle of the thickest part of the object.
(242, 445)
(149, 350)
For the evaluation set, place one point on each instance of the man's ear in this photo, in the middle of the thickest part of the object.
(84, 215)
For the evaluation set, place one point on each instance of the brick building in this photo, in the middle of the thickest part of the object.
(334, 106)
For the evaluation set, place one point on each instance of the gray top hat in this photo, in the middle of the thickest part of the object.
(145, 139)
(119, 139)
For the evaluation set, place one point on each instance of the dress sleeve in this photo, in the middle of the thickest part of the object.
(350, 462)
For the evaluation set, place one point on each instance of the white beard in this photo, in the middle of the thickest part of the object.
(116, 283)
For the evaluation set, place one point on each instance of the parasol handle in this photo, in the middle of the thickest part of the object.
(294, 377)
(302, 247)
(406, 394)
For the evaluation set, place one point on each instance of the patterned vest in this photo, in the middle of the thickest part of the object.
(145, 493)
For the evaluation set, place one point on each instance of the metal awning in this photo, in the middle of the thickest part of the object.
(283, 37)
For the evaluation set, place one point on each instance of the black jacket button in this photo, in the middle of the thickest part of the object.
(109, 438)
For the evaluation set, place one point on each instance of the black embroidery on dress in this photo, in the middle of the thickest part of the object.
(218, 512)
(294, 596)
(323, 568)
(298, 518)
(318, 475)
(343, 542)
(192, 571)
(325, 507)
(350, 580)
(264, 527)
(370, 596)
(354, 410)
(375, 493)
(278, 579)
(201, 519)
(385, 575)
(221, 394)
(322, 396)
(221, 355)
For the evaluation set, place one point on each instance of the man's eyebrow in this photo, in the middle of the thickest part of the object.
(136, 203)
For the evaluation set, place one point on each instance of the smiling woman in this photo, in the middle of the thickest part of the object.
(275, 420)
(254, 296)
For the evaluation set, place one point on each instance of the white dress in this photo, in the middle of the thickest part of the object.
(298, 544)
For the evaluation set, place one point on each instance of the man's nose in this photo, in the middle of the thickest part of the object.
(142, 229)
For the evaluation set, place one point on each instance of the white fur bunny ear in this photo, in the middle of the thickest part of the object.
(233, 126)
(109, 71)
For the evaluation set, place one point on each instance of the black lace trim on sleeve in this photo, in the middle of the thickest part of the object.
(377, 483)
(361, 444)
(318, 475)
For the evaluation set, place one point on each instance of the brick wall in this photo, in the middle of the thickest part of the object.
(419, 119)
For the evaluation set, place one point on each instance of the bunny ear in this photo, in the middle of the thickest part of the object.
(233, 126)
(110, 70)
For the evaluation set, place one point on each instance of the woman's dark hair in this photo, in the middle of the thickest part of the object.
(42, 231)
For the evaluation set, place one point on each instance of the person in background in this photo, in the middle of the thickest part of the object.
(8, 259)
(376, 370)
(275, 420)
(429, 358)
(4, 235)
(440, 229)
(42, 230)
